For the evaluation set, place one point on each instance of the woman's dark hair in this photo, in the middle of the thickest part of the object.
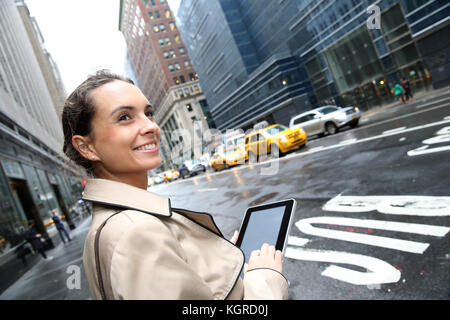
(78, 111)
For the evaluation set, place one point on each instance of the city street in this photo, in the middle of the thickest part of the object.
(372, 212)
(371, 220)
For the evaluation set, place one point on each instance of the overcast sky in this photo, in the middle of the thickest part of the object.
(82, 36)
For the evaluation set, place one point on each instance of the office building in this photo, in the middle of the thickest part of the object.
(165, 73)
(34, 175)
(267, 60)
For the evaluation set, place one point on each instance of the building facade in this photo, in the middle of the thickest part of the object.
(34, 175)
(164, 72)
(267, 60)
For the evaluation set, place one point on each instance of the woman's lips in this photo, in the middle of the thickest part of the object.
(151, 147)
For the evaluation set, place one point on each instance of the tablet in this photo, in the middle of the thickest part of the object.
(267, 223)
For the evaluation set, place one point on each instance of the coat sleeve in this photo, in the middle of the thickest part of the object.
(149, 263)
(265, 284)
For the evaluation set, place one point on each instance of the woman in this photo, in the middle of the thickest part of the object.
(399, 92)
(146, 249)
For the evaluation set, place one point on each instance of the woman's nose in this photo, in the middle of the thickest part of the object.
(148, 126)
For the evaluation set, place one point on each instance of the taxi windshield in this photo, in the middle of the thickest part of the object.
(276, 129)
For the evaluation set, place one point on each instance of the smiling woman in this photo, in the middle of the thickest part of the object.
(147, 249)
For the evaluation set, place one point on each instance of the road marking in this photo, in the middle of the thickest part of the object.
(296, 241)
(402, 139)
(427, 206)
(394, 130)
(442, 136)
(425, 150)
(379, 270)
(305, 226)
(349, 141)
(207, 189)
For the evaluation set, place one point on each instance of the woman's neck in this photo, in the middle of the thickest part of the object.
(138, 179)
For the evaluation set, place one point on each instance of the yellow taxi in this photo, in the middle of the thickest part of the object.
(277, 137)
(229, 158)
(171, 175)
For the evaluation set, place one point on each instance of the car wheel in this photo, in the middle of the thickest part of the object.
(354, 124)
(275, 151)
(331, 128)
(252, 158)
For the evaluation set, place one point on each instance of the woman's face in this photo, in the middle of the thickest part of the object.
(125, 136)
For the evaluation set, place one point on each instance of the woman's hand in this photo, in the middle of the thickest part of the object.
(267, 257)
(234, 237)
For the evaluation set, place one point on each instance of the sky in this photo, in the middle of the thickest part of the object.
(82, 36)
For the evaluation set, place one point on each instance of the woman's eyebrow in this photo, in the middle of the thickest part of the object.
(121, 108)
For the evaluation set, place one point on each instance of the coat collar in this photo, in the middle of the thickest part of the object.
(121, 195)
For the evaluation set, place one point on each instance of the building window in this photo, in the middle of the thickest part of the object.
(177, 66)
(182, 51)
(177, 38)
(153, 2)
(161, 42)
(171, 69)
(187, 64)
(172, 26)
(162, 2)
(172, 54)
(168, 41)
(182, 79)
(157, 15)
(188, 106)
(175, 80)
(156, 28)
(166, 54)
(150, 15)
(167, 13)
(162, 28)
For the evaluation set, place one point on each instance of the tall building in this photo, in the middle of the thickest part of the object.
(165, 74)
(267, 60)
(48, 67)
(34, 175)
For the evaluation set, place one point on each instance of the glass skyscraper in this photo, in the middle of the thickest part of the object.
(269, 60)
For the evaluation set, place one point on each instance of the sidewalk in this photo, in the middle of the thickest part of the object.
(56, 279)
(419, 97)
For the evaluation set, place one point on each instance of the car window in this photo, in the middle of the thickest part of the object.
(275, 130)
(305, 118)
(328, 110)
(253, 138)
(261, 137)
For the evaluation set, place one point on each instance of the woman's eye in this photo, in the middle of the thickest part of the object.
(124, 117)
(149, 114)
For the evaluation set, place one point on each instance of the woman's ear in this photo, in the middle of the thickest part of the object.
(82, 145)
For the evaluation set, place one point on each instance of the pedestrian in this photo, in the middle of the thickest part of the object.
(406, 86)
(36, 240)
(399, 92)
(138, 245)
(60, 226)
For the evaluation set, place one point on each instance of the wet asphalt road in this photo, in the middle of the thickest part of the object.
(404, 151)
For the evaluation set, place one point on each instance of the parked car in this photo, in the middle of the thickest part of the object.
(232, 157)
(275, 137)
(158, 179)
(190, 168)
(328, 119)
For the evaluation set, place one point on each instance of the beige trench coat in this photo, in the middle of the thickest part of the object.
(148, 250)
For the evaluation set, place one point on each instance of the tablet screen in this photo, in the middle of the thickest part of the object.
(267, 223)
(263, 227)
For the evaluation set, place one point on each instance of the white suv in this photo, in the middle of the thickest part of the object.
(326, 119)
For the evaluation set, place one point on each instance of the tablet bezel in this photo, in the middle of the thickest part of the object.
(289, 205)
